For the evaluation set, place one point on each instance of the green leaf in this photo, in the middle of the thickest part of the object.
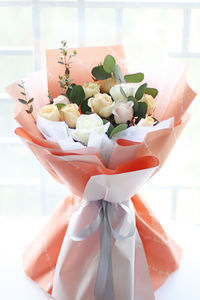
(21, 86)
(137, 77)
(140, 91)
(142, 110)
(69, 89)
(117, 129)
(60, 62)
(30, 101)
(84, 107)
(118, 75)
(110, 129)
(60, 105)
(100, 74)
(122, 92)
(135, 108)
(109, 64)
(77, 94)
(22, 101)
(151, 91)
(31, 109)
(23, 93)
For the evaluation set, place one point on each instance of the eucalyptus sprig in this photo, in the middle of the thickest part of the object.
(50, 97)
(25, 100)
(64, 80)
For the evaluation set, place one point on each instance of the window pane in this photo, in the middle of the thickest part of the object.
(15, 26)
(195, 31)
(7, 122)
(100, 26)
(19, 163)
(14, 68)
(152, 31)
(20, 201)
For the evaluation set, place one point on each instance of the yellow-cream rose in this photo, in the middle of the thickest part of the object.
(50, 112)
(91, 89)
(149, 100)
(101, 104)
(107, 84)
(147, 122)
(70, 114)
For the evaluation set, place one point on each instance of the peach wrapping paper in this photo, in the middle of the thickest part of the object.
(163, 254)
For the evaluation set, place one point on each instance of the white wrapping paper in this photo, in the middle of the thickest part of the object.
(77, 265)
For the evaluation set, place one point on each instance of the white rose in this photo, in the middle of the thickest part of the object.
(101, 104)
(91, 89)
(123, 111)
(128, 88)
(61, 99)
(70, 114)
(50, 112)
(107, 84)
(149, 100)
(85, 125)
(147, 122)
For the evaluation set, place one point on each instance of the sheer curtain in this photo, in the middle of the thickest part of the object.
(146, 29)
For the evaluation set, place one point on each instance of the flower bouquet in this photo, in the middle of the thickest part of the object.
(103, 133)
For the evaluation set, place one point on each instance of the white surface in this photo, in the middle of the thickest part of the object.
(184, 284)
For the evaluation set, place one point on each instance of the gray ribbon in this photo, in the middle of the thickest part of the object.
(104, 281)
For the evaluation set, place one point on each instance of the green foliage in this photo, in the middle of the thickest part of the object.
(60, 105)
(140, 91)
(109, 64)
(151, 91)
(134, 78)
(99, 73)
(118, 75)
(77, 94)
(141, 110)
(122, 92)
(85, 109)
(117, 129)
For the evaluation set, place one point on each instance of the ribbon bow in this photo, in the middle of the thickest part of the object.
(104, 281)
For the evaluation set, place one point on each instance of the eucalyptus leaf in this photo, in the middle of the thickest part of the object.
(140, 91)
(31, 109)
(61, 62)
(142, 110)
(21, 86)
(118, 75)
(60, 105)
(22, 101)
(134, 100)
(117, 129)
(151, 91)
(134, 78)
(109, 64)
(99, 73)
(110, 129)
(122, 92)
(30, 101)
(77, 94)
(23, 93)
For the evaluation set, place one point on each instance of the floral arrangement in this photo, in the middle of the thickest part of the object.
(109, 104)
(103, 134)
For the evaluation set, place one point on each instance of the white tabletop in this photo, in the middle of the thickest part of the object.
(183, 284)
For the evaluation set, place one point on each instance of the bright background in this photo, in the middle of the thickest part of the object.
(154, 29)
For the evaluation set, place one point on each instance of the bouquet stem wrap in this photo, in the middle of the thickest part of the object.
(107, 244)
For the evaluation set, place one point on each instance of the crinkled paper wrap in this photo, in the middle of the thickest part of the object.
(75, 168)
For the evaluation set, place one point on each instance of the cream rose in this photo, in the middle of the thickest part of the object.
(61, 99)
(70, 114)
(50, 112)
(149, 100)
(123, 111)
(101, 104)
(91, 89)
(107, 84)
(85, 125)
(147, 122)
(128, 88)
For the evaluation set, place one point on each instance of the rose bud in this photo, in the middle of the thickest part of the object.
(101, 104)
(147, 122)
(70, 114)
(123, 111)
(50, 112)
(91, 89)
